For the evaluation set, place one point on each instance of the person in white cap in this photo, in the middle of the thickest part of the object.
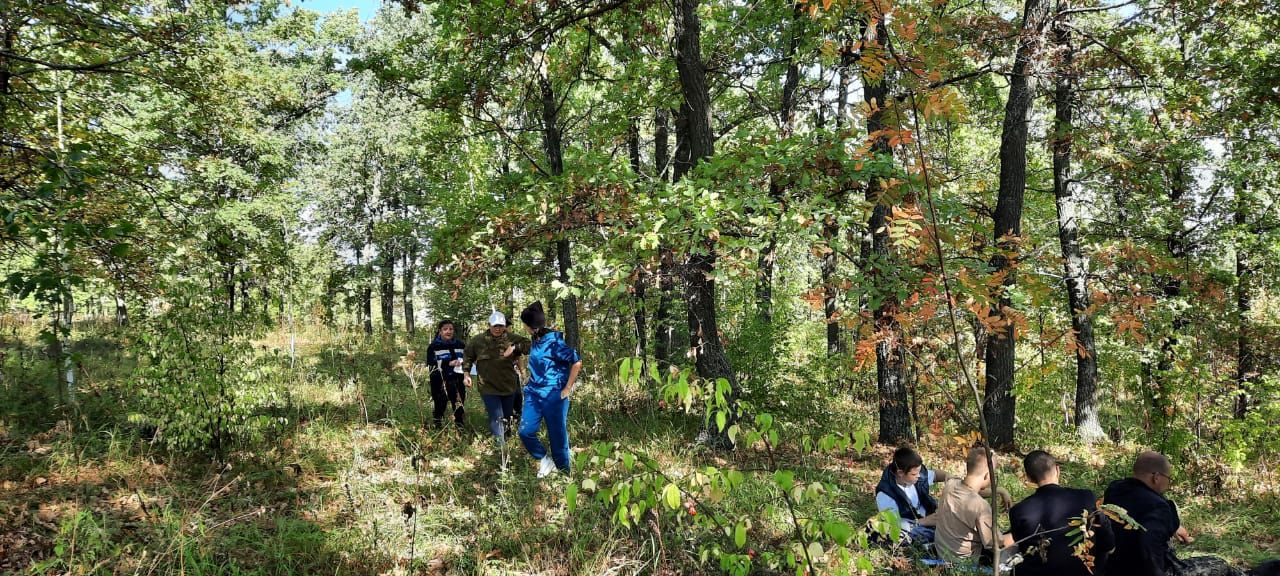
(493, 353)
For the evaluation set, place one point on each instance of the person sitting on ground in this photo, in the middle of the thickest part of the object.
(1147, 552)
(904, 488)
(1041, 522)
(962, 527)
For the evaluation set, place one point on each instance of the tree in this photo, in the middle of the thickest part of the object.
(999, 403)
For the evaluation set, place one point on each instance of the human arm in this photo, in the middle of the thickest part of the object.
(573, 379)
(1183, 536)
(1005, 497)
(468, 360)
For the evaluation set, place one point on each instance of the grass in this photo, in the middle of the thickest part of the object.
(350, 483)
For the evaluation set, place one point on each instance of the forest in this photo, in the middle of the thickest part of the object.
(783, 238)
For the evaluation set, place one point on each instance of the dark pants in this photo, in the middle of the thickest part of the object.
(501, 412)
(446, 392)
(1203, 566)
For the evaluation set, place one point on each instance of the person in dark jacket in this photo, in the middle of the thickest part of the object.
(493, 353)
(904, 487)
(553, 373)
(1146, 552)
(1040, 524)
(445, 358)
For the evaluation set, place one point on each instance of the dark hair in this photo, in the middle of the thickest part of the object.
(441, 324)
(977, 459)
(1038, 464)
(534, 316)
(905, 459)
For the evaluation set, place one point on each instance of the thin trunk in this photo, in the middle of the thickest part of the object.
(1075, 265)
(661, 316)
(895, 415)
(407, 278)
(786, 126)
(1163, 380)
(122, 310)
(999, 404)
(553, 147)
(710, 358)
(387, 286)
(1246, 358)
(641, 276)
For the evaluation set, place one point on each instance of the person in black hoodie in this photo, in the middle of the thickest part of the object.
(1146, 552)
(445, 358)
(1040, 523)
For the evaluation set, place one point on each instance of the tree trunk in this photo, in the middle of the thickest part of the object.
(663, 337)
(1246, 358)
(122, 309)
(551, 143)
(642, 277)
(407, 278)
(895, 414)
(387, 286)
(1075, 265)
(712, 363)
(999, 404)
(1162, 383)
(786, 126)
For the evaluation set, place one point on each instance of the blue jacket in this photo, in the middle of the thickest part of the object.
(550, 359)
(889, 485)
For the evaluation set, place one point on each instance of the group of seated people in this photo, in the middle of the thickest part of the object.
(958, 521)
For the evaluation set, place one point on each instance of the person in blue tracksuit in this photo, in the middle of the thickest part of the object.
(445, 358)
(553, 373)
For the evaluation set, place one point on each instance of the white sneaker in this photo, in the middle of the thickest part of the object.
(546, 466)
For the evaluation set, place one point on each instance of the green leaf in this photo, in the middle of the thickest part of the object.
(571, 496)
(785, 479)
(671, 495)
(740, 535)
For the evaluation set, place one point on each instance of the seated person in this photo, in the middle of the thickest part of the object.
(1146, 552)
(904, 487)
(962, 524)
(1048, 512)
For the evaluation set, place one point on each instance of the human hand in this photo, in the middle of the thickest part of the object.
(1183, 536)
(565, 393)
(455, 362)
(466, 380)
(1005, 498)
(509, 351)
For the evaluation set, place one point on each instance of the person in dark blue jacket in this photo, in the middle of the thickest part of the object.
(553, 373)
(444, 356)
(1041, 523)
(1146, 552)
(904, 487)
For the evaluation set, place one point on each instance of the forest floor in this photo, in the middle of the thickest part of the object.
(351, 483)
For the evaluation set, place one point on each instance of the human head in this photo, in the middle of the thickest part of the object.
(1153, 469)
(975, 465)
(497, 323)
(445, 329)
(533, 317)
(1040, 467)
(906, 465)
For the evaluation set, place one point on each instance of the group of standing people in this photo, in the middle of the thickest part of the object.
(957, 524)
(491, 357)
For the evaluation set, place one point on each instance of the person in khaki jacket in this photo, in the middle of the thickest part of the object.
(494, 353)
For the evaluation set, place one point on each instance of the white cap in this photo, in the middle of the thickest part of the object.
(497, 319)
